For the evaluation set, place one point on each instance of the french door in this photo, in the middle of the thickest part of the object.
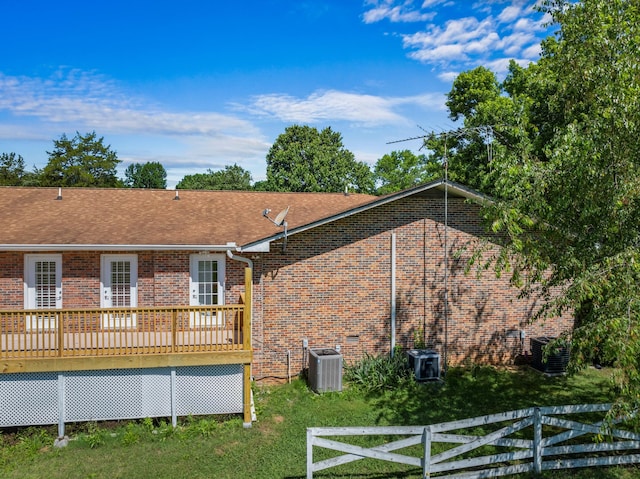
(119, 285)
(43, 289)
(206, 288)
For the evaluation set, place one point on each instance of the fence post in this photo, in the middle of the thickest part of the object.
(426, 459)
(309, 454)
(537, 441)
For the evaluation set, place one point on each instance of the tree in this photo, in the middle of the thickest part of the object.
(400, 170)
(305, 159)
(148, 175)
(567, 181)
(487, 110)
(11, 169)
(83, 160)
(232, 177)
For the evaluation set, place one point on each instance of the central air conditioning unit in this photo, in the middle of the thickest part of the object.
(325, 370)
(425, 364)
(555, 363)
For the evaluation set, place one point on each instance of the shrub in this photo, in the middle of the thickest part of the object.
(378, 372)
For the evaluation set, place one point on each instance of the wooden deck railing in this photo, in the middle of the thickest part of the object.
(62, 333)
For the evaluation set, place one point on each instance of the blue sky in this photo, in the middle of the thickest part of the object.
(198, 85)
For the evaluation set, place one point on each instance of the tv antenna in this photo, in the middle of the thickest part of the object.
(487, 133)
(280, 222)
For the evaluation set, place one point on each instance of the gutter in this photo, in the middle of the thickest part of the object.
(117, 247)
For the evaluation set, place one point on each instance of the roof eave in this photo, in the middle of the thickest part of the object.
(437, 184)
(117, 247)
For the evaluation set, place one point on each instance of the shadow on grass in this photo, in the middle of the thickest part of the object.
(478, 391)
(364, 475)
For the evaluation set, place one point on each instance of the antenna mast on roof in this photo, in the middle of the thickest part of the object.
(487, 132)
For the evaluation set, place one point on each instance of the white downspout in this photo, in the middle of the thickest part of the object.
(234, 257)
(393, 293)
(249, 263)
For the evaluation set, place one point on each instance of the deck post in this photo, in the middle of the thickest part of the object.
(246, 344)
(174, 398)
(61, 440)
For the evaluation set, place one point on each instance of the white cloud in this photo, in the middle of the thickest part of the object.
(443, 53)
(452, 43)
(528, 25)
(500, 66)
(510, 13)
(448, 76)
(139, 130)
(402, 13)
(533, 52)
(83, 99)
(490, 31)
(336, 106)
(433, 3)
(513, 44)
(455, 32)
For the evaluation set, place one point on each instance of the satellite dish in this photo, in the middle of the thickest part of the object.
(281, 216)
(280, 222)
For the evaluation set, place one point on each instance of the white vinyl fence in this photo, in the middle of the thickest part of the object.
(526, 440)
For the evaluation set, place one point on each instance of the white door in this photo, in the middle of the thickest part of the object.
(43, 288)
(206, 288)
(119, 284)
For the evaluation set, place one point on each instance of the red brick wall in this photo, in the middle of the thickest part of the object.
(80, 279)
(163, 279)
(11, 282)
(332, 286)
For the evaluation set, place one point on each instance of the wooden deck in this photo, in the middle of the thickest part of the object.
(66, 340)
(84, 339)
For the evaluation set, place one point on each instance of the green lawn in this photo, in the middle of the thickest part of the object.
(275, 447)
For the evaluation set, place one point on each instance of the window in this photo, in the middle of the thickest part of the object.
(43, 288)
(206, 288)
(119, 284)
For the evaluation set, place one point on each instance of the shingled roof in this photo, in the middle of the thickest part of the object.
(105, 217)
(38, 219)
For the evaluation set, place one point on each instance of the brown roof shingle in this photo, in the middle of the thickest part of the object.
(102, 216)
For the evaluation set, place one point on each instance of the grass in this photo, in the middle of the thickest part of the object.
(275, 447)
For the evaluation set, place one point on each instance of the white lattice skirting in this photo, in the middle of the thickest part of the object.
(56, 398)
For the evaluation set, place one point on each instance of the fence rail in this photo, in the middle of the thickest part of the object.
(29, 334)
(526, 440)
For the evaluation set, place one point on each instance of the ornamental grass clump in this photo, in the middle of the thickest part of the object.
(378, 372)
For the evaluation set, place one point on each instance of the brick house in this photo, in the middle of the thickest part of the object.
(345, 268)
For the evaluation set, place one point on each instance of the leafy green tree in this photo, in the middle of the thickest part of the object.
(470, 91)
(11, 169)
(232, 177)
(566, 178)
(492, 120)
(83, 160)
(400, 170)
(148, 175)
(305, 159)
